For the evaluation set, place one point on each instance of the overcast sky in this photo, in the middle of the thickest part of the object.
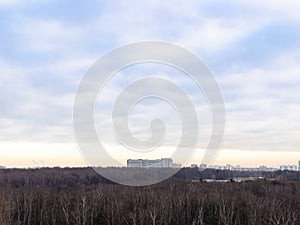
(252, 48)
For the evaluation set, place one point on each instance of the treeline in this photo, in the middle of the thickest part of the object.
(76, 177)
(50, 177)
(174, 202)
(194, 173)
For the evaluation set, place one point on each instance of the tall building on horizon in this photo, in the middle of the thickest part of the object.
(150, 163)
(289, 167)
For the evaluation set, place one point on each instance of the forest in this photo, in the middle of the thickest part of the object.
(79, 196)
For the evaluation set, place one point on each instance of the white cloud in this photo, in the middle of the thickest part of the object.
(36, 113)
(263, 106)
(40, 35)
(262, 103)
(13, 3)
(277, 10)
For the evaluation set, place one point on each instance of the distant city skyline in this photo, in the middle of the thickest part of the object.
(168, 163)
(292, 167)
(243, 158)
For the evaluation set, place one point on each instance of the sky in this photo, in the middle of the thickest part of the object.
(251, 47)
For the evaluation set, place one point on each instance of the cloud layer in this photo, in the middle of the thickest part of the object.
(253, 48)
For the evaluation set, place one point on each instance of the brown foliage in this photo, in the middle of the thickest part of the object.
(171, 202)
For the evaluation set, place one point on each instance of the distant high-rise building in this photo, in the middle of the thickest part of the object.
(299, 165)
(135, 163)
(262, 168)
(177, 165)
(203, 166)
(288, 167)
(150, 163)
(228, 167)
(166, 162)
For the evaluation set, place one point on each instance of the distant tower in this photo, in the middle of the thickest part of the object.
(299, 165)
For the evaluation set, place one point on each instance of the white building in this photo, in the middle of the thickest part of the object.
(203, 166)
(177, 165)
(288, 167)
(166, 163)
(228, 167)
(135, 163)
(150, 163)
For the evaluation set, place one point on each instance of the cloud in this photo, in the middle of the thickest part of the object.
(264, 100)
(8, 2)
(277, 10)
(50, 36)
(46, 49)
(36, 113)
